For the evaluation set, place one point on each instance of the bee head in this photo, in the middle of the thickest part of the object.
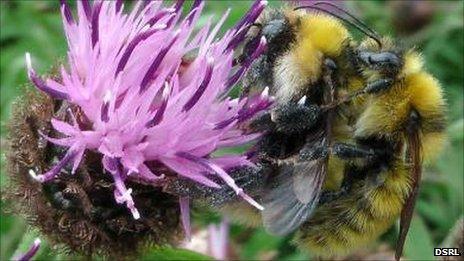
(385, 59)
(380, 61)
(273, 29)
(278, 29)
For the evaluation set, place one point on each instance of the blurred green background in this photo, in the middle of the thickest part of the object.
(435, 27)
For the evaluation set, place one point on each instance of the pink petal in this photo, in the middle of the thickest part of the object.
(185, 216)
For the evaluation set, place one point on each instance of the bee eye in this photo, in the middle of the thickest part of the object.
(365, 57)
(385, 59)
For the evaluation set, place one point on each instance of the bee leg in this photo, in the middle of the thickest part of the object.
(291, 118)
(354, 171)
(341, 150)
(371, 88)
(248, 178)
(297, 117)
(351, 151)
(262, 123)
(314, 153)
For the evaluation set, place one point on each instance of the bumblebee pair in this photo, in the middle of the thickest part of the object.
(343, 147)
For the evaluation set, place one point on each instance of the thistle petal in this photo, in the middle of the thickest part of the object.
(185, 216)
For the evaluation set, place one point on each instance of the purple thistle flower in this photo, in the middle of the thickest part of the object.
(31, 252)
(144, 101)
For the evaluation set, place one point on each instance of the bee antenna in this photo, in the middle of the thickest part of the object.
(366, 31)
(359, 21)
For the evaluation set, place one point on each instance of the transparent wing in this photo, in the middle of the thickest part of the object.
(292, 195)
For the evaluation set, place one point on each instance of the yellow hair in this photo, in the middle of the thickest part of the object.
(308, 59)
(413, 63)
(318, 36)
(416, 89)
(327, 34)
(340, 227)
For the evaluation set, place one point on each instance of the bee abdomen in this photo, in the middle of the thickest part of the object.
(356, 220)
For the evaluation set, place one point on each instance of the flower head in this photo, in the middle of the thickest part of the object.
(145, 87)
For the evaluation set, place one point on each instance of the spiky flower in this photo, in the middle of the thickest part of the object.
(145, 90)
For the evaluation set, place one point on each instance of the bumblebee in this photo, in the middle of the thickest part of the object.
(399, 120)
(306, 52)
(401, 123)
(342, 154)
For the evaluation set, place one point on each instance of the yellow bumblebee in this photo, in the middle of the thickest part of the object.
(382, 103)
(402, 123)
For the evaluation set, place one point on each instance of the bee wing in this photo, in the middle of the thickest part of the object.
(293, 195)
(408, 208)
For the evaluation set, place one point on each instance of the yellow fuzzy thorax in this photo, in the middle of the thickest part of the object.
(327, 34)
(318, 36)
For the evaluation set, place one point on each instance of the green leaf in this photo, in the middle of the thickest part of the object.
(419, 245)
(259, 243)
(456, 130)
(166, 253)
(12, 230)
(451, 167)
